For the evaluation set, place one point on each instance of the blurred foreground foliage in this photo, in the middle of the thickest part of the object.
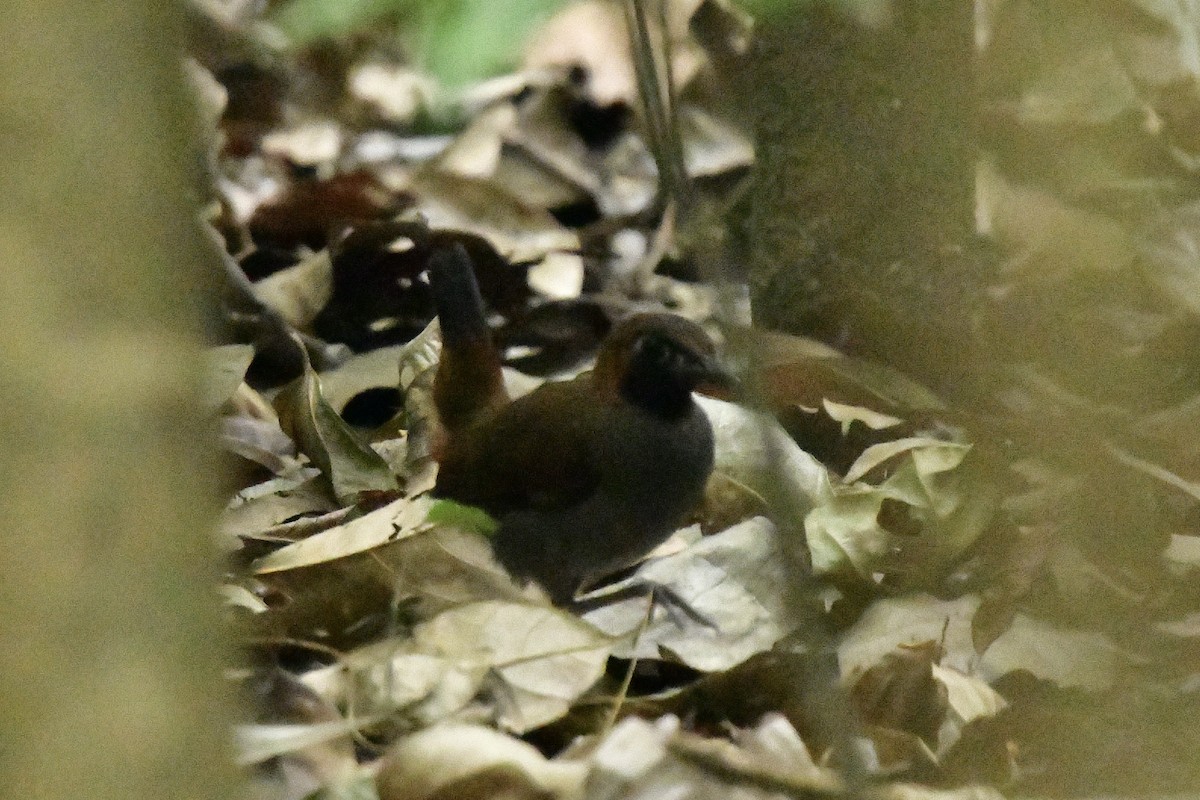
(459, 41)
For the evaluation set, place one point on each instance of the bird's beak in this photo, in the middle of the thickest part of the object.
(714, 380)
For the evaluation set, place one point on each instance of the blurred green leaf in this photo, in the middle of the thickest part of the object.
(308, 20)
(459, 41)
(462, 41)
(448, 512)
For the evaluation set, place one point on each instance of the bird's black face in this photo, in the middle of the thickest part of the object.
(662, 372)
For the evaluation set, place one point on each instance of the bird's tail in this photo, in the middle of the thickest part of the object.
(469, 384)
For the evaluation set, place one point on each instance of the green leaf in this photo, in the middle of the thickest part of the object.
(463, 41)
(448, 512)
(459, 41)
(304, 21)
(333, 447)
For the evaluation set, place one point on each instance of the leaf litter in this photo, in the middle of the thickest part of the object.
(975, 595)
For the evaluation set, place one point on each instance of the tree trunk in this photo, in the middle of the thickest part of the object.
(109, 675)
(861, 224)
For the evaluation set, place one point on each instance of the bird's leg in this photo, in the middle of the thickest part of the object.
(662, 595)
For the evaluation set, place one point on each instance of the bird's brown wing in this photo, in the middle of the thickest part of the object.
(534, 455)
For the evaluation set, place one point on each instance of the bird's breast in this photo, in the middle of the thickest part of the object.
(657, 469)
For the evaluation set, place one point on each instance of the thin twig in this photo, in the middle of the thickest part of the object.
(664, 141)
(623, 691)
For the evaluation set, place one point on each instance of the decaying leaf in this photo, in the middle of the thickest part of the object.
(844, 533)
(1090, 86)
(349, 465)
(712, 146)
(1021, 560)
(804, 372)
(241, 597)
(259, 440)
(967, 696)
(364, 388)
(308, 210)
(1066, 657)
(538, 659)
(892, 622)
(388, 92)
(726, 503)
(439, 761)
(591, 35)
(419, 354)
(448, 566)
(399, 519)
(1049, 239)
(257, 743)
(265, 511)
(753, 449)
(1184, 552)
(475, 151)
(736, 579)
(846, 415)
(931, 457)
(924, 512)
(643, 760)
(294, 721)
(519, 232)
(901, 693)
(902, 791)
(386, 679)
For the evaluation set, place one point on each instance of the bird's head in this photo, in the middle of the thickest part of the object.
(656, 361)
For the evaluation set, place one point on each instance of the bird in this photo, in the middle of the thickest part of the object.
(586, 476)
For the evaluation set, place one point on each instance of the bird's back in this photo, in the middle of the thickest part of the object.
(536, 453)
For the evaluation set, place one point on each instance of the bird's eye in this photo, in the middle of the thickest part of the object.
(654, 349)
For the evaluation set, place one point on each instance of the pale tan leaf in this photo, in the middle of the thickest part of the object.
(428, 763)
(397, 520)
(540, 659)
(299, 292)
(1069, 658)
(224, 368)
(891, 622)
(736, 579)
(932, 456)
(845, 414)
(968, 696)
